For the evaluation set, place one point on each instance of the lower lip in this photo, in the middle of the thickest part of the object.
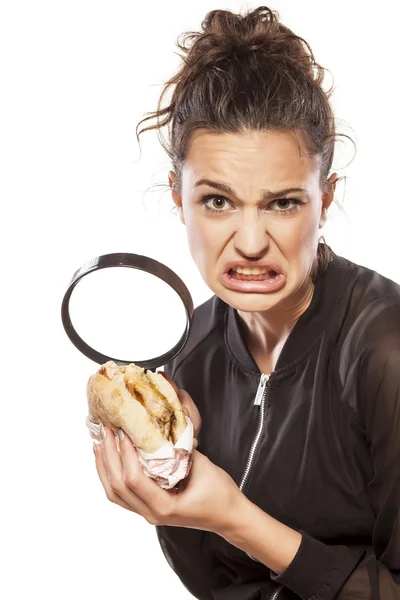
(257, 286)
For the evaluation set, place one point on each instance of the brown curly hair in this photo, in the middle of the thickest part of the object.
(247, 73)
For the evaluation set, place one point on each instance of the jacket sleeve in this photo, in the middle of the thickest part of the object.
(320, 571)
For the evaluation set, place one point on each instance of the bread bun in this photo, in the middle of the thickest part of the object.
(143, 404)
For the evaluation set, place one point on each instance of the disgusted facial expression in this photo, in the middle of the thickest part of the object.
(235, 203)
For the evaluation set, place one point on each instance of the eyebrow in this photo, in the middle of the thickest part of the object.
(266, 194)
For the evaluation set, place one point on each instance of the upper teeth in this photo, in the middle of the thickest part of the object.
(251, 271)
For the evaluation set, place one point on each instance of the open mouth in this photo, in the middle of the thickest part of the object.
(270, 276)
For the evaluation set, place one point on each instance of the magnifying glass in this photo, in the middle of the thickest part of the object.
(126, 307)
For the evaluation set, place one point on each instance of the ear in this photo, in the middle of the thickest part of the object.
(327, 198)
(333, 179)
(322, 220)
(176, 196)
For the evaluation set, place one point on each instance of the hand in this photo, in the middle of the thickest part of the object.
(207, 498)
(189, 407)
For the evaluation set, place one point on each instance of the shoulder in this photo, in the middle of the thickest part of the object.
(365, 328)
(365, 317)
(367, 298)
(372, 307)
(364, 285)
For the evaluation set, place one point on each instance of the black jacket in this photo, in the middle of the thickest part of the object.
(324, 443)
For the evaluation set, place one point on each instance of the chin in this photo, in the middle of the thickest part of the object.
(249, 302)
(252, 302)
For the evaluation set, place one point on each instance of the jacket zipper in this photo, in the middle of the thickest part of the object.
(277, 592)
(259, 400)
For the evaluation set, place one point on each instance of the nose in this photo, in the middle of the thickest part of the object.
(251, 238)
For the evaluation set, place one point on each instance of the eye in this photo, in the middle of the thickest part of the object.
(218, 204)
(217, 201)
(285, 201)
(296, 203)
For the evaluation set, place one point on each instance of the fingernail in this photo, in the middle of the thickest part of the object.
(103, 432)
(121, 434)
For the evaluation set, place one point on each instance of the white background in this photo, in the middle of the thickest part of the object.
(75, 79)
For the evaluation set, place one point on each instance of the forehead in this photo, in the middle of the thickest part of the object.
(273, 156)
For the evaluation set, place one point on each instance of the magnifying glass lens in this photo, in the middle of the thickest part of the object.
(127, 312)
(128, 308)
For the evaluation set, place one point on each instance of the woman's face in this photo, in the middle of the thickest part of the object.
(244, 225)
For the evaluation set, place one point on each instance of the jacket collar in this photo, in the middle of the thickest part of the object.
(328, 292)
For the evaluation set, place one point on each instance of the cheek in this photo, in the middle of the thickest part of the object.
(301, 233)
(302, 237)
(205, 240)
(301, 246)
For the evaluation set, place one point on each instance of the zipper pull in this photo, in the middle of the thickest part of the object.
(260, 391)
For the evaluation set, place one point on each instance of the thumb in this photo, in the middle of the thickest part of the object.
(187, 403)
(168, 378)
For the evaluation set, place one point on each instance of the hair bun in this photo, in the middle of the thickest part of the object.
(225, 34)
(223, 21)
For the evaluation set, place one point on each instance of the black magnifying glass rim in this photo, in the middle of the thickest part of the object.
(133, 261)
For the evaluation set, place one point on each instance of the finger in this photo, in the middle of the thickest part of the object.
(153, 497)
(103, 475)
(193, 412)
(196, 431)
(118, 475)
(168, 378)
(187, 403)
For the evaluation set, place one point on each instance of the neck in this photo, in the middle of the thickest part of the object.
(265, 331)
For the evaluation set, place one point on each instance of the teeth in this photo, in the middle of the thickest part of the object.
(251, 271)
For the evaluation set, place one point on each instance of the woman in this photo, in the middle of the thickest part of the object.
(292, 368)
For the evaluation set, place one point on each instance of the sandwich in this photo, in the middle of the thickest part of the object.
(141, 403)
